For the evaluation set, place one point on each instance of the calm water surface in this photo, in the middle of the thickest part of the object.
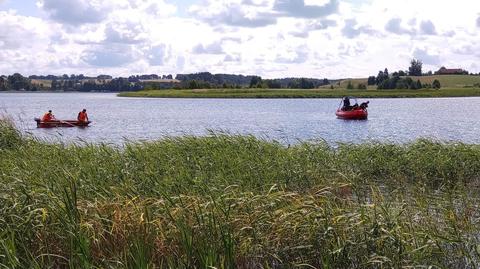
(116, 120)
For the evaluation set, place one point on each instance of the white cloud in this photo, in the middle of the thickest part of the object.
(75, 12)
(395, 26)
(213, 48)
(272, 38)
(298, 8)
(246, 14)
(351, 30)
(427, 28)
(426, 57)
(110, 56)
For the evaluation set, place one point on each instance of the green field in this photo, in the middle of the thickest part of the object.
(447, 81)
(225, 201)
(288, 93)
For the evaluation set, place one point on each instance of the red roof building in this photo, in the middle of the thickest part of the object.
(445, 71)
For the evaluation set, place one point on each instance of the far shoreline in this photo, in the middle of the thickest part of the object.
(302, 94)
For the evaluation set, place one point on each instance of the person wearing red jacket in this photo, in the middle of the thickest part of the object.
(48, 116)
(82, 116)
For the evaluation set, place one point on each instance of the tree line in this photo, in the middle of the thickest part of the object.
(206, 80)
(402, 80)
(203, 80)
(102, 83)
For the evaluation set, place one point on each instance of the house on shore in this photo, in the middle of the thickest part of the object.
(448, 71)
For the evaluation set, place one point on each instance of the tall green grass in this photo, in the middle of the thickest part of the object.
(226, 201)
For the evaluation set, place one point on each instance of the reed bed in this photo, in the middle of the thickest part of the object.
(227, 201)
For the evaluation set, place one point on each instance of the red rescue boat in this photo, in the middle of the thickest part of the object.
(61, 123)
(355, 112)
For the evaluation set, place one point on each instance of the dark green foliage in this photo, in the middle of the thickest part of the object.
(216, 80)
(350, 85)
(3, 83)
(305, 84)
(361, 86)
(397, 82)
(436, 84)
(256, 82)
(381, 77)
(273, 84)
(371, 80)
(415, 68)
(18, 82)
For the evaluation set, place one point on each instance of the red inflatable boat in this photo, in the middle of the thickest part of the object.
(356, 114)
(352, 112)
(61, 123)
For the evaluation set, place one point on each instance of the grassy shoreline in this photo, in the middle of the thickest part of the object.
(291, 93)
(229, 201)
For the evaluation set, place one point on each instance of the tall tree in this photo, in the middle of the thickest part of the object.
(256, 82)
(3, 84)
(415, 68)
(18, 82)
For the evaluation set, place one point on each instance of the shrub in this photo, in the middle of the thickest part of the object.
(436, 84)
(362, 86)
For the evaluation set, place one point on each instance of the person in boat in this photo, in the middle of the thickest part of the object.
(346, 104)
(364, 105)
(48, 116)
(82, 116)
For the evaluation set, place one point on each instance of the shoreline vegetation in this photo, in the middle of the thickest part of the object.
(228, 201)
(300, 93)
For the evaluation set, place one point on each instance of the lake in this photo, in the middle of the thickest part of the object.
(116, 119)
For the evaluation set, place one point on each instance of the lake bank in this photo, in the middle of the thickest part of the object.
(317, 93)
(238, 201)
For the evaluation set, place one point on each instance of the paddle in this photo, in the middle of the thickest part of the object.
(68, 123)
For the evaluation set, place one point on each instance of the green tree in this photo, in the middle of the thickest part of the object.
(18, 82)
(256, 82)
(371, 80)
(415, 68)
(419, 84)
(192, 84)
(381, 77)
(3, 84)
(350, 85)
(306, 84)
(436, 84)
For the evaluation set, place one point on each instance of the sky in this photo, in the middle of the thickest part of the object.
(271, 38)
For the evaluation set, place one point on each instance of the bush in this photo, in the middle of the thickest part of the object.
(362, 86)
(436, 84)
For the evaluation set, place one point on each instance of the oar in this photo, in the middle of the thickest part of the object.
(68, 123)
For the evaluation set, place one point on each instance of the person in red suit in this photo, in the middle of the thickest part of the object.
(48, 116)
